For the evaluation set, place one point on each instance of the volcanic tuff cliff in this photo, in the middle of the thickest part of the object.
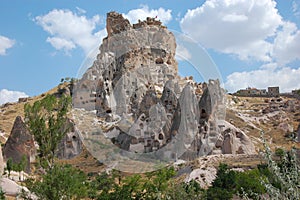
(20, 143)
(136, 92)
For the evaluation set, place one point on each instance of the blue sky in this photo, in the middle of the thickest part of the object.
(253, 42)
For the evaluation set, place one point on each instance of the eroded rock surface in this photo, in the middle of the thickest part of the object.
(20, 143)
(71, 144)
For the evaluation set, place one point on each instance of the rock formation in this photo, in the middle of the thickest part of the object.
(12, 189)
(20, 143)
(134, 88)
(298, 133)
(236, 141)
(1, 162)
(71, 144)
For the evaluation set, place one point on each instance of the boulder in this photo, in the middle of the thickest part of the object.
(12, 189)
(236, 141)
(204, 177)
(286, 127)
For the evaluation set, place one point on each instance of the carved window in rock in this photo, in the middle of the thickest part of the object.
(149, 143)
(205, 128)
(141, 126)
(108, 111)
(160, 136)
(156, 144)
(159, 61)
(203, 114)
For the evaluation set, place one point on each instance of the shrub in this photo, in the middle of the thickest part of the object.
(60, 182)
(286, 175)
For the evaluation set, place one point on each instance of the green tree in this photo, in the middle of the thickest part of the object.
(223, 187)
(157, 183)
(46, 119)
(9, 166)
(19, 167)
(190, 190)
(102, 186)
(248, 184)
(129, 189)
(154, 185)
(279, 152)
(60, 182)
(2, 194)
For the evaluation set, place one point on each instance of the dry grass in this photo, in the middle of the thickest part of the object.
(9, 112)
(85, 162)
(253, 106)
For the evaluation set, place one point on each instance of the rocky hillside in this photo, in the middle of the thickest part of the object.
(131, 102)
(133, 98)
(278, 118)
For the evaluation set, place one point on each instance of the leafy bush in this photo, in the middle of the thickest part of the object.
(18, 167)
(60, 182)
(229, 183)
(153, 185)
(285, 173)
(224, 184)
(248, 184)
(2, 197)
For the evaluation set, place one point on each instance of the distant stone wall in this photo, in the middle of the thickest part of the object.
(290, 95)
(253, 95)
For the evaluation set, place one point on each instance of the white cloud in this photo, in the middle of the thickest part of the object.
(5, 43)
(267, 75)
(142, 13)
(287, 44)
(295, 8)
(235, 18)
(240, 27)
(68, 29)
(61, 43)
(10, 96)
(182, 53)
(80, 10)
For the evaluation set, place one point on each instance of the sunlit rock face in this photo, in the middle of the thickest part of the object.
(141, 103)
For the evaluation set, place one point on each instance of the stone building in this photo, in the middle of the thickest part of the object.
(251, 92)
(273, 91)
(254, 92)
